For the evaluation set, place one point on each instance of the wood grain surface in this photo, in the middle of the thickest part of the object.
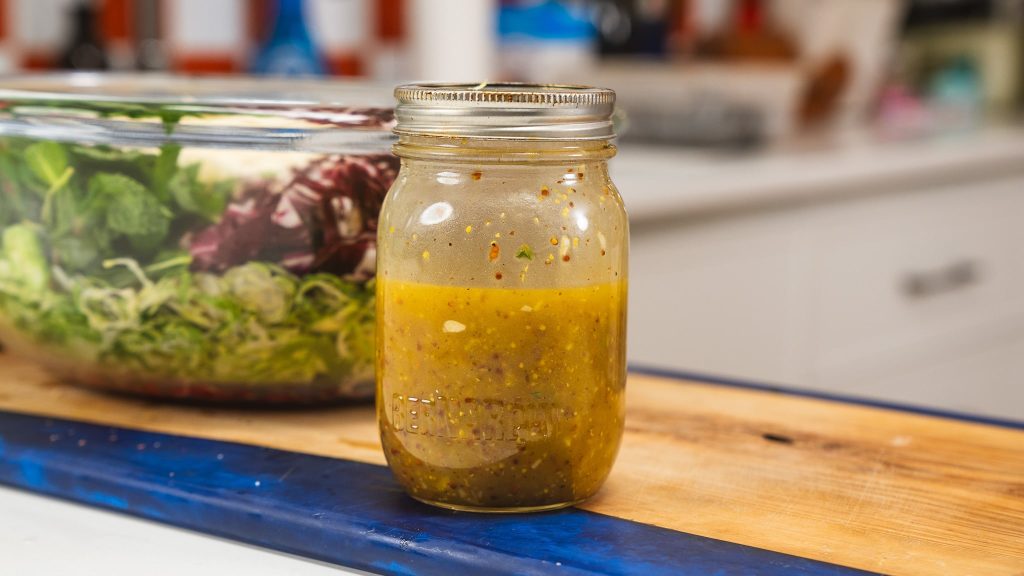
(858, 486)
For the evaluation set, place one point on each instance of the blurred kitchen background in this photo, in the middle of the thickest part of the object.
(824, 194)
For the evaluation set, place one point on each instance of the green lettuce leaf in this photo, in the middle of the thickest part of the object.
(130, 209)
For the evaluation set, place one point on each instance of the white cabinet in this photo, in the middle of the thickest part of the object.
(909, 295)
(980, 379)
(727, 297)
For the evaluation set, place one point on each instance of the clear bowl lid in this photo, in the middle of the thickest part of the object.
(235, 112)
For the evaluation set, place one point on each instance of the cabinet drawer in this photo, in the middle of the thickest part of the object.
(896, 271)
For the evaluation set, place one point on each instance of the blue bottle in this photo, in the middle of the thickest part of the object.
(289, 51)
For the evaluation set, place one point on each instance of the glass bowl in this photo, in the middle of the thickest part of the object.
(203, 239)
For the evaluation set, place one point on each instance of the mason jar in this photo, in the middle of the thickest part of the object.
(501, 297)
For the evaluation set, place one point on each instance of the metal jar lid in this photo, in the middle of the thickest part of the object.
(505, 111)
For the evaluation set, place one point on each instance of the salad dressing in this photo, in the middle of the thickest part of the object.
(501, 397)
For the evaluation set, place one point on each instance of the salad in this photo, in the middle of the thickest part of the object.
(132, 268)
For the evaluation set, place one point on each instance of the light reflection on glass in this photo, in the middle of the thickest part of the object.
(436, 213)
(581, 221)
(448, 178)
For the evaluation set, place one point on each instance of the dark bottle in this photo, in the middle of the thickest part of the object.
(626, 27)
(85, 51)
(289, 51)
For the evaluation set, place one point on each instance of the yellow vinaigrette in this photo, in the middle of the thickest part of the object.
(501, 397)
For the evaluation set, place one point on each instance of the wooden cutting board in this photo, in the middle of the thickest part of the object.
(839, 482)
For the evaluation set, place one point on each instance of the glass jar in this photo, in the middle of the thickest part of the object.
(501, 297)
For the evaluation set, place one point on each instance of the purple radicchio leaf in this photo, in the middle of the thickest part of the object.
(323, 220)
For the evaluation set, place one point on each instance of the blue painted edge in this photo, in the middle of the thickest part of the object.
(796, 391)
(345, 512)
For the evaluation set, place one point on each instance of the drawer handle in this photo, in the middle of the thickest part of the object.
(954, 276)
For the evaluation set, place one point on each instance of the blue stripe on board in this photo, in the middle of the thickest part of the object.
(345, 512)
(793, 391)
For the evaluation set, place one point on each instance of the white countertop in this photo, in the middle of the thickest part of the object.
(40, 535)
(661, 182)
